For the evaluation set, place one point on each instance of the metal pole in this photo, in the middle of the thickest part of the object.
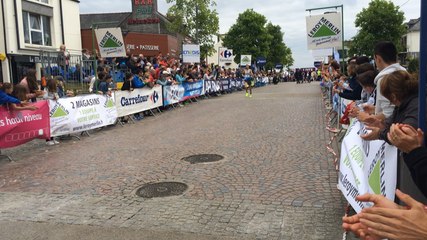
(423, 68)
(343, 50)
(95, 62)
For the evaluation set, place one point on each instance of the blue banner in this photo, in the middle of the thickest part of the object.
(178, 93)
(225, 84)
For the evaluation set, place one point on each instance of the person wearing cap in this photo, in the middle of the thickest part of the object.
(165, 79)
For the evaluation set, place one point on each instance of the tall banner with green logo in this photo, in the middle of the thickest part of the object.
(245, 60)
(110, 42)
(81, 113)
(366, 167)
(324, 31)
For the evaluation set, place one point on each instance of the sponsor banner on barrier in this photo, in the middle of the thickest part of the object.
(212, 87)
(138, 100)
(225, 84)
(239, 83)
(366, 167)
(82, 113)
(178, 93)
(19, 127)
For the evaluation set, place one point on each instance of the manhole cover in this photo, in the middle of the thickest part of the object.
(161, 189)
(203, 158)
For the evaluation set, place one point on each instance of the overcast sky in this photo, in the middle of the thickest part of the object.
(289, 14)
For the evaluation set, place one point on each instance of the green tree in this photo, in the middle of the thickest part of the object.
(413, 65)
(196, 19)
(278, 52)
(381, 21)
(248, 35)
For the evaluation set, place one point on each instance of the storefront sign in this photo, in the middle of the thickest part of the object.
(143, 12)
(143, 47)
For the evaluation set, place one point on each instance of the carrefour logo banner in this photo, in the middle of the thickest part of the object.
(82, 113)
(191, 53)
(225, 55)
(324, 31)
(110, 42)
(178, 93)
(366, 167)
(138, 100)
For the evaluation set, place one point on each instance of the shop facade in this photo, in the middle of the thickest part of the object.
(30, 27)
(144, 30)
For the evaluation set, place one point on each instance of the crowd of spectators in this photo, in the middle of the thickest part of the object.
(164, 70)
(385, 99)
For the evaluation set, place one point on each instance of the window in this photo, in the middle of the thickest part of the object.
(37, 29)
(43, 1)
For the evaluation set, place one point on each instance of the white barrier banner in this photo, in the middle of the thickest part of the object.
(82, 113)
(138, 100)
(366, 167)
(110, 42)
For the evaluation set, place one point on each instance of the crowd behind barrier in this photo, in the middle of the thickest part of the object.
(70, 115)
(377, 120)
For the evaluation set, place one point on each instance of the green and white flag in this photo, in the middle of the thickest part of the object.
(324, 31)
(110, 42)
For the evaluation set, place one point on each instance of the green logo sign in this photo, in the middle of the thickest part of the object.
(324, 31)
(58, 111)
(110, 41)
(324, 28)
(374, 179)
(109, 103)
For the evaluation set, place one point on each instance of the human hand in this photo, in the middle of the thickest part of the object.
(354, 111)
(375, 121)
(405, 137)
(373, 135)
(369, 108)
(353, 223)
(32, 108)
(362, 116)
(398, 223)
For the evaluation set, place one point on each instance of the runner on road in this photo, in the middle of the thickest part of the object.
(248, 76)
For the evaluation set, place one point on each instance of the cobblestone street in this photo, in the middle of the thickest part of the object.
(276, 181)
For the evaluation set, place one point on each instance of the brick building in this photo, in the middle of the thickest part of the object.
(144, 29)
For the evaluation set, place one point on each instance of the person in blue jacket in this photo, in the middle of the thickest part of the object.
(6, 99)
(138, 79)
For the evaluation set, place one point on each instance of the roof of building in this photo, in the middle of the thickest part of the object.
(413, 25)
(103, 19)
